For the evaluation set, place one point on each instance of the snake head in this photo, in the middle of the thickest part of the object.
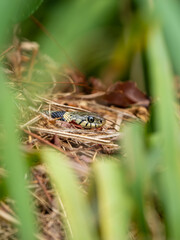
(94, 121)
(85, 119)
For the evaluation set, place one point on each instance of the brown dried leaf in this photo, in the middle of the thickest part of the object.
(125, 94)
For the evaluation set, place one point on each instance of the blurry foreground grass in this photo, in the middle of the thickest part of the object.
(140, 191)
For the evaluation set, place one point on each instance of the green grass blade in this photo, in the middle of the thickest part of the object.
(169, 13)
(162, 88)
(12, 158)
(114, 207)
(15, 166)
(137, 173)
(75, 205)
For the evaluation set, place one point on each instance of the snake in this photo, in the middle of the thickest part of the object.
(83, 119)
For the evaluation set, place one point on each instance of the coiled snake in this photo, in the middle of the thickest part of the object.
(83, 119)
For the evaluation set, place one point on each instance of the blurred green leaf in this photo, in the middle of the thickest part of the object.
(169, 14)
(26, 9)
(68, 189)
(162, 88)
(113, 201)
(12, 159)
(78, 22)
(134, 143)
(14, 11)
(15, 165)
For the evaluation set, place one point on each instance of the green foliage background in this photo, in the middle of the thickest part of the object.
(114, 40)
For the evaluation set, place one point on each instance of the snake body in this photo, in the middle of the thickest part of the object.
(83, 119)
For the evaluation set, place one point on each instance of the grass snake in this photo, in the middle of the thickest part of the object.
(83, 119)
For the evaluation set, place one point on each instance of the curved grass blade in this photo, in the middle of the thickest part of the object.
(75, 205)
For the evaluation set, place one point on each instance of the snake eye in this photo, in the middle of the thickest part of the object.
(90, 119)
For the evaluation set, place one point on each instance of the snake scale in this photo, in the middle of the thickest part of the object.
(82, 119)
